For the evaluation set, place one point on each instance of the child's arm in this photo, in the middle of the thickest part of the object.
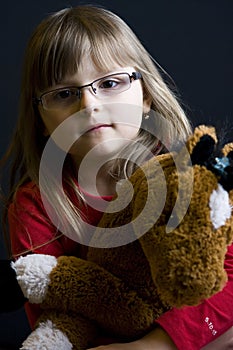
(157, 339)
(204, 323)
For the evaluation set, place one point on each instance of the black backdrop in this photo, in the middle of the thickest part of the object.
(192, 40)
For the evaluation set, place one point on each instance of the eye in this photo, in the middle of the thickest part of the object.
(108, 84)
(64, 94)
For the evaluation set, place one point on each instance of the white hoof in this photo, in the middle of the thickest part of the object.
(33, 273)
(47, 337)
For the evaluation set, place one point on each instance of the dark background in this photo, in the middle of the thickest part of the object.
(192, 40)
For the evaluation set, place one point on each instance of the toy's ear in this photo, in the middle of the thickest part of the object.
(228, 150)
(225, 167)
(201, 144)
(203, 151)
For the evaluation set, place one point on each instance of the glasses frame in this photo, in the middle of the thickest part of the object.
(133, 76)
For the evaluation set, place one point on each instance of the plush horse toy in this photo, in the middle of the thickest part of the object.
(175, 255)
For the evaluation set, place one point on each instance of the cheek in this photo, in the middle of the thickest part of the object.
(126, 114)
(134, 95)
(52, 120)
(127, 120)
(128, 132)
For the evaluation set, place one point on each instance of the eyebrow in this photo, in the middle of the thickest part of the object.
(70, 83)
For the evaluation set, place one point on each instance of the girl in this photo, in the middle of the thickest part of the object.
(86, 60)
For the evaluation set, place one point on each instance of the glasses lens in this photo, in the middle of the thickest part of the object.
(60, 99)
(67, 97)
(112, 84)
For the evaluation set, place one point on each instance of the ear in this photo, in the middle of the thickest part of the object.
(224, 166)
(230, 156)
(228, 150)
(147, 101)
(203, 150)
(198, 133)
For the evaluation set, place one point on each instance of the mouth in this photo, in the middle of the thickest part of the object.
(97, 127)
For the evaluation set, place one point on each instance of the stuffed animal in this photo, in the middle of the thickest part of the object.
(175, 255)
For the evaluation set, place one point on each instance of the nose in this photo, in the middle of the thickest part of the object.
(87, 98)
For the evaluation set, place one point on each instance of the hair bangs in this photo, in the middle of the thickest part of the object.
(60, 58)
(108, 53)
(73, 38)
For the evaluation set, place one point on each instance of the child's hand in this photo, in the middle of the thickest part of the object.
(118, 346)
(157, 339)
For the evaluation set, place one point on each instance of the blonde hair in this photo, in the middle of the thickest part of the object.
(57, 48)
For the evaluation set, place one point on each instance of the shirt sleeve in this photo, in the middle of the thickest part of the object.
(31, 231)
(194, 327)
(30, 228)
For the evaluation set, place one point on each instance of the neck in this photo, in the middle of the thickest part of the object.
(95, 181)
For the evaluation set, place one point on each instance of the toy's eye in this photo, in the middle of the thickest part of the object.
(222, 163)
(223, 169)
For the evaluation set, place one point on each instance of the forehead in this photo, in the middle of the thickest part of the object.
(92, 65)
(81, 57)
(88, 72)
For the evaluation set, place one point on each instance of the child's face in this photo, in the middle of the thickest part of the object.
(109, 122)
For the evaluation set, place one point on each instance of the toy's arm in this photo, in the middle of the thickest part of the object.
(76, 285)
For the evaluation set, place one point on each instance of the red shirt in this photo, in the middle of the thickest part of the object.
(32, 231)
(194, 327)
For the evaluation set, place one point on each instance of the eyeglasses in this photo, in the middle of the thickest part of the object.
(105, 87)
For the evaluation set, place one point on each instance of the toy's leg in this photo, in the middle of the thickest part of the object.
(57, 331)
(32, 272)
(48, 337)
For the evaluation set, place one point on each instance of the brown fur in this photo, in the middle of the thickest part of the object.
(123, 290)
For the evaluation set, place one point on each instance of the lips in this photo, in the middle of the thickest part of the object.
(97, 127)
